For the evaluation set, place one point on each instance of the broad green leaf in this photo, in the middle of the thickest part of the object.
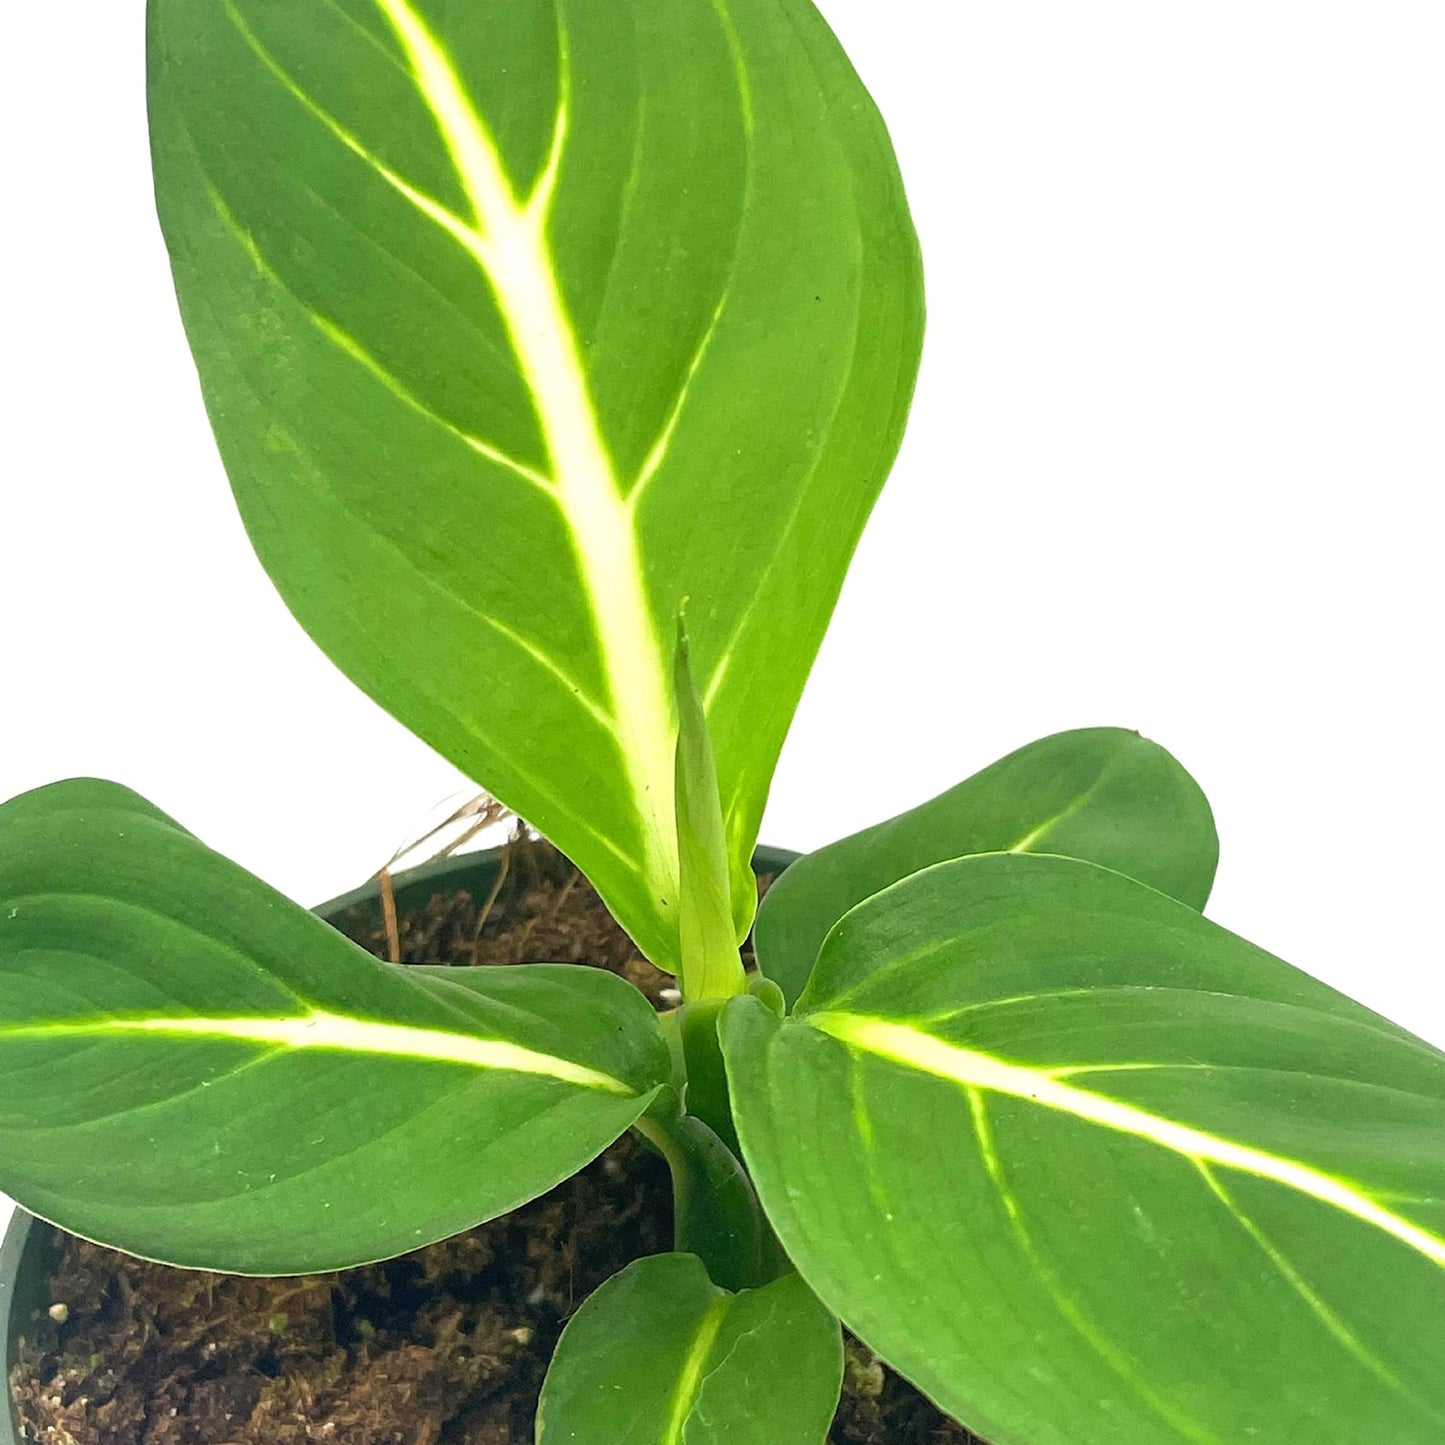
(194, 1069)
(1085, 1166)
(1104, 795)
(518, 322)
(710, 966)
(661, 1356)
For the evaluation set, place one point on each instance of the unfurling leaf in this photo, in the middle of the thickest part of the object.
(1085, 1166)
(194, 1069)
(710, 966)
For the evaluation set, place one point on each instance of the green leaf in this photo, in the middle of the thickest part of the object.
(710, 966)
(1085, 1166)
(518, 323)
(660, 1356)
(1104, 795)
(194, 1069)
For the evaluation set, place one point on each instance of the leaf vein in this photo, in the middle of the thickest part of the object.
(1333, 1324)
(327, 1032)
(911, 1049)
(1071, 1310)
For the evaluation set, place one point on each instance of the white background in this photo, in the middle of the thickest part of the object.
(1174, 465)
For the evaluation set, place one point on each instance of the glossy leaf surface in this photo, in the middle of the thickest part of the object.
(520, 322)
(661, 1356)
(1104, 795)
(1085, 1166)
(194, 1069)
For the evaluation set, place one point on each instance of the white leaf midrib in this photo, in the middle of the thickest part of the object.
(507, 236)
(323, 1030)
(921, 1052)
(691, 1373)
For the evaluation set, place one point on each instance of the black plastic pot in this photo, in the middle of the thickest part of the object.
(28, 1251)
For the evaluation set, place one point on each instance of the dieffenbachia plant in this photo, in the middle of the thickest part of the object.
(556, 350)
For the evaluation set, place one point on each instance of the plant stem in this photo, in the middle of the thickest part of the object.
(716, 1214)
(707, 1096)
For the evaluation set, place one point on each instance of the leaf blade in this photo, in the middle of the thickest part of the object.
(1121, 1173)
(199, 1071)
(497, 321)
(757, 1366)
(1104, 795)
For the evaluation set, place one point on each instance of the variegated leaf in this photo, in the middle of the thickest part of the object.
(1085, 1166)
(520, 321)
(196, 1070)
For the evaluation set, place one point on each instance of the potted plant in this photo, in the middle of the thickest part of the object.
(556, 356)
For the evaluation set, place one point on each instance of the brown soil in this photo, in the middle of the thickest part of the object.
(446, 1346)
